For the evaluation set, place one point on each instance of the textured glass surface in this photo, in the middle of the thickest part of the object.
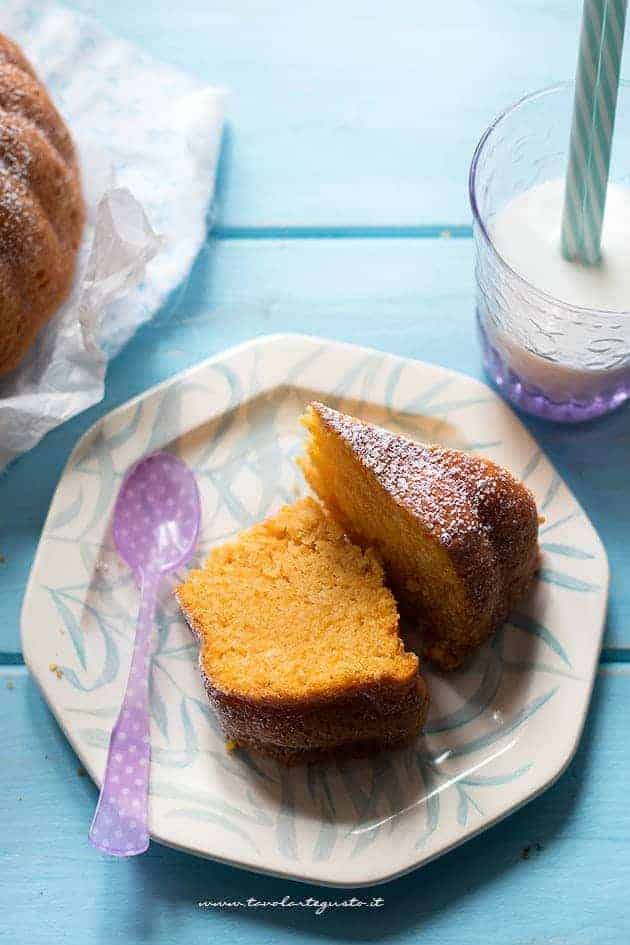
(549, 357)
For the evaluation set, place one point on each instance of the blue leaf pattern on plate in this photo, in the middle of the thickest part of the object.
(532, 466)
(431, 800)
(321, 795)
(549, 576)
(531, 625)
(567, 551)
(68, 514)
(116, 440)
(156, 703)
(71, 624)
(476, 704)
(552, 492)
(287, 838)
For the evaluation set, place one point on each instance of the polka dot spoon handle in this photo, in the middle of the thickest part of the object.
(156, 524)
(120, 824)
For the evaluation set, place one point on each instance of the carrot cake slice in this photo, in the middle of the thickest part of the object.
(299, 645)
(458, 534)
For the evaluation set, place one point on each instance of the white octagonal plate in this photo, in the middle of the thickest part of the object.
(499, 731)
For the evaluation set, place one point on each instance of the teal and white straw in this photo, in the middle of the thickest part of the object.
(596, 87)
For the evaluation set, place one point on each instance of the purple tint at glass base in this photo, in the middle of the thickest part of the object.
(534, 401)
(156, 525)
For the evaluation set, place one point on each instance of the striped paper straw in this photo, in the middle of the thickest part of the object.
(597, 83)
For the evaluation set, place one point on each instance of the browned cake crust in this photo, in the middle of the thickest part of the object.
(41, 207)
(471, 529)
(363, 722)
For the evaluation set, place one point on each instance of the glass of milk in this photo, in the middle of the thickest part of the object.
(555, 334)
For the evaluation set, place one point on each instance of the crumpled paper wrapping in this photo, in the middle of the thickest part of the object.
(148, 138)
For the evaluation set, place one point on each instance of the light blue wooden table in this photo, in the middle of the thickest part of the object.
(342, 211)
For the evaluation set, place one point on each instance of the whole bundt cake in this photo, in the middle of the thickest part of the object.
(41, 207)
(458, 534)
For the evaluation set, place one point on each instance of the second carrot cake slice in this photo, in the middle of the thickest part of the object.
(300, 649)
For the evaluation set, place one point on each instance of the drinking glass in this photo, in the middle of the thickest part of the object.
(550, 358)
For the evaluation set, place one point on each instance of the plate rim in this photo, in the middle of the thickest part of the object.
(367, 876)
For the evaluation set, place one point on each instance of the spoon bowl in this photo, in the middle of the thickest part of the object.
(157, 514)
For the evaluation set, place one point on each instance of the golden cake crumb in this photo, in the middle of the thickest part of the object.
(299, 640)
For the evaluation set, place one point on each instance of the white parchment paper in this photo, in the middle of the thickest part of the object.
(148, 137)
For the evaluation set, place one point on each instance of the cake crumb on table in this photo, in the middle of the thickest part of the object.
(529, 849)
(57, 670)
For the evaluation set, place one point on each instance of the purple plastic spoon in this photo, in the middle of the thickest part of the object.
(156, 524)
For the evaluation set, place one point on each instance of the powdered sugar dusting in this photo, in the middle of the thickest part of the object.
(15, 162)
(454, 495)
